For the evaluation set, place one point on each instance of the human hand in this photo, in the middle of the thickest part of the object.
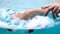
(55, 8)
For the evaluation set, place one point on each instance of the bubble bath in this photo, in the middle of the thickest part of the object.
(37, 22)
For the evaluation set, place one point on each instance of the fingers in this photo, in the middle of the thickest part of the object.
(47, 12)
(50, 8)
(58, 11)
(46, 6)
(54, 12)
(55, 9)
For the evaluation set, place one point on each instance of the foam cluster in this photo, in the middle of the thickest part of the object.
(37, 22)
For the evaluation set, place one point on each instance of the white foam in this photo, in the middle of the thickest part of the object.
(37, 22)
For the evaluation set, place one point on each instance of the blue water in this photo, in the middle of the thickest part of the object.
(19, 4)
(53, 30)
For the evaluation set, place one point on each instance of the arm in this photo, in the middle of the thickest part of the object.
(27, 14)
(35, 11)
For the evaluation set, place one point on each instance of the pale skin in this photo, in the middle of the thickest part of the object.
(55, 8)
(27, 14)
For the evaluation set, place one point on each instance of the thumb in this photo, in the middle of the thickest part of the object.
(47, 6)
